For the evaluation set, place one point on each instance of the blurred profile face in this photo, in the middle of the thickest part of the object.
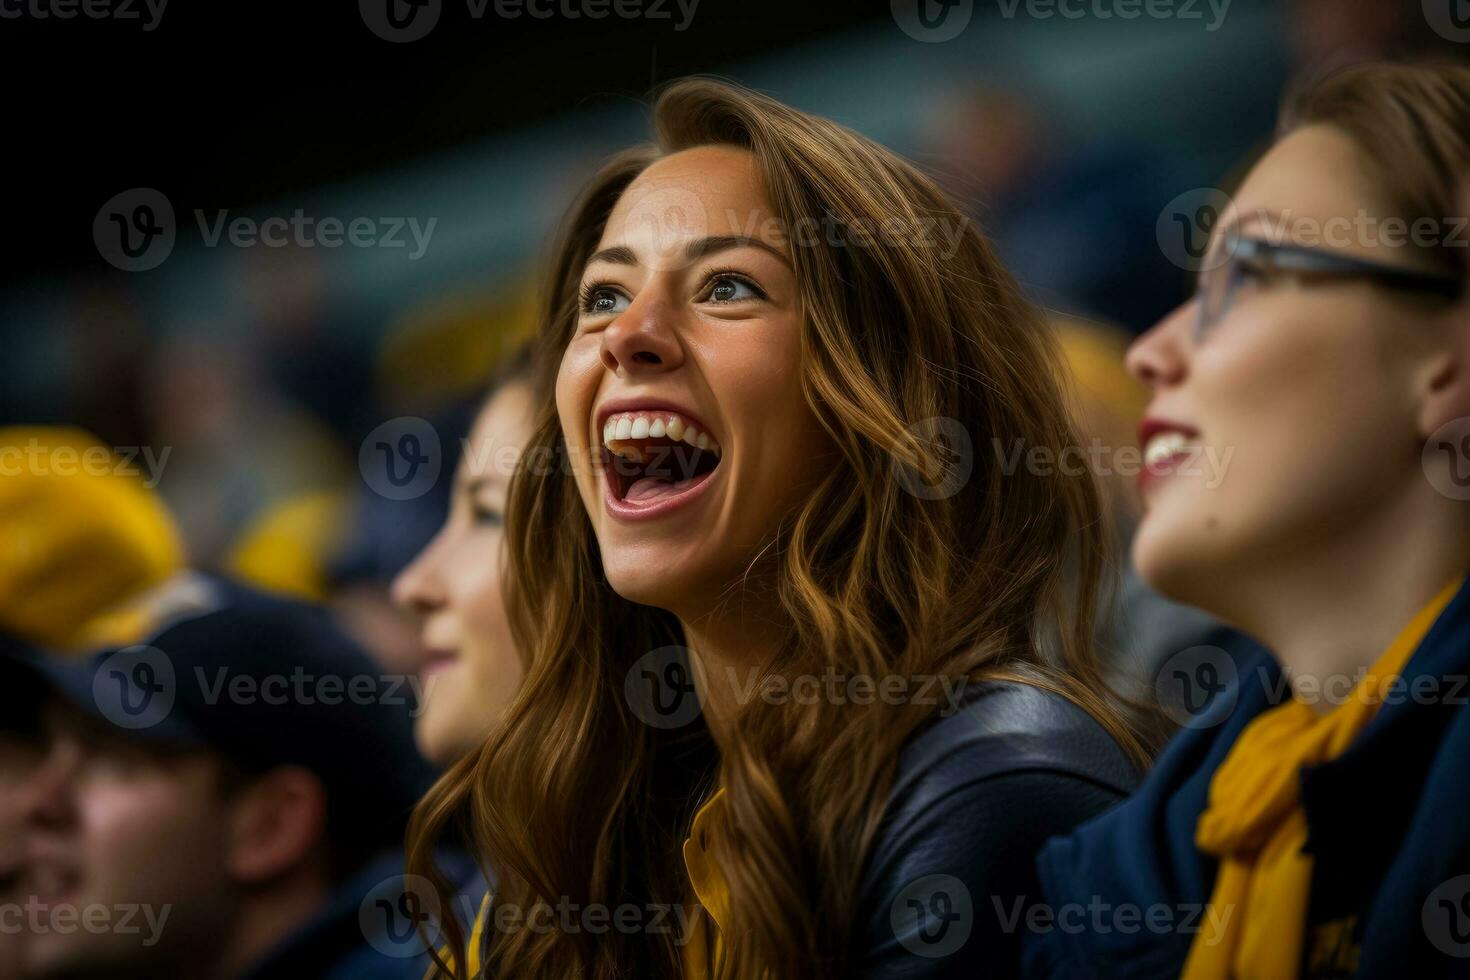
(110, 827)
(1304, 393)
(19, 756)
(682, 384)
(468, 661)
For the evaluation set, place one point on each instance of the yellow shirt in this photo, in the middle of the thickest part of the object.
(710, 888)
(473, 953)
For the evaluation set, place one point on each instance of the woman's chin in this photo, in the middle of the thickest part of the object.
(663, 581)
(1165, 559)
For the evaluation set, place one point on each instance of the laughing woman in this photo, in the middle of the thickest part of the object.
(1319, 814)
(757, 330)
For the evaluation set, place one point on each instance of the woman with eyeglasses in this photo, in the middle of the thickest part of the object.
(1316, 821)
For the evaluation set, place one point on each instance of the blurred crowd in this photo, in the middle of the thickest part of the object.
(226, 479)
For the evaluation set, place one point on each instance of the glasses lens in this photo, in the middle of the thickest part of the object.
(1217, 284)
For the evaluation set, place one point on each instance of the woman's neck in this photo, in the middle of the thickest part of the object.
(729, 644)
(1330, 614)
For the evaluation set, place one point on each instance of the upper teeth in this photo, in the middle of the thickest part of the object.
(620, 428)
(1164, 445)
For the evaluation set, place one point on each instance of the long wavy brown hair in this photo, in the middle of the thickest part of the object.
(996, 575)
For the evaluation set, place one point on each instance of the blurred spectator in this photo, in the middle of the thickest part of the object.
(435, 363)
(105, 340)
(1071, 219)
(237, 447)
(456, 589)
(314, 354)
(19, 757)
(1329, 34)
(243, 779)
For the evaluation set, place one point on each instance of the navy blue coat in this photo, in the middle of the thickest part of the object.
(1388, 826)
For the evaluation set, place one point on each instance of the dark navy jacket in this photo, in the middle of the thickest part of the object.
(1388, 827)
(975, 796)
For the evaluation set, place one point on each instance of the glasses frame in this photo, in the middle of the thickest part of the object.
(1303, 261)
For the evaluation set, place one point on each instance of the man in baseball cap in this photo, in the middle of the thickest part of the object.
(222, 799)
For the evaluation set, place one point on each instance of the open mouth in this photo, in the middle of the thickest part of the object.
(1166, 450)
(653, 459)
(1166, 446)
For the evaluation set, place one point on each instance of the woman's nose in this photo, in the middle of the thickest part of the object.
(1159, 357)
(642, 340)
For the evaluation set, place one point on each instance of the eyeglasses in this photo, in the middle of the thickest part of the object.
(1249, 258)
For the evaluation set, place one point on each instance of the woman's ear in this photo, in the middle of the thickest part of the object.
(277, 823)
(1447, 377)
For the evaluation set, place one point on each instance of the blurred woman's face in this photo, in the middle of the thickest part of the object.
(469, 665)
(680, 392)
(1296, 412)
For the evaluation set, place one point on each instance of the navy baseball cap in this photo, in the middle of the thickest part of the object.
(262, 680)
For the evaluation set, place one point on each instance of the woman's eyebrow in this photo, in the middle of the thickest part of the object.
(1260, 216)
(701, 247)
(616, 254)
(473, 484)
(695, 250)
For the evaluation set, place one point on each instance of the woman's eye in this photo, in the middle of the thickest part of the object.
(602, 300)
(487, 516)
(731, 289)
(1251, 272)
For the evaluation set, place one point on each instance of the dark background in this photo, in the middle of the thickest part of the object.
(232, 104)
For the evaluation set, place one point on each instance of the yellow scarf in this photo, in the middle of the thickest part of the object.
(1255, 825)
(710, 888)
(477, 935)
